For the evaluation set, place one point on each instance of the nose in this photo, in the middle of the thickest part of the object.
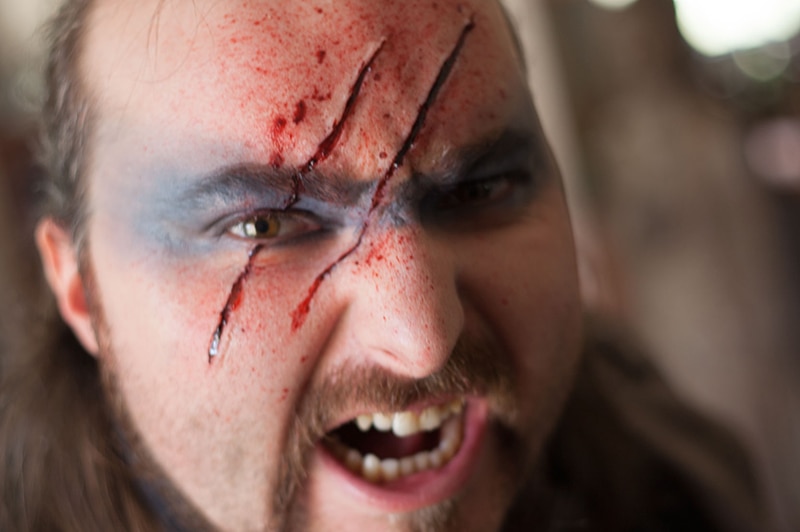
(404, 310)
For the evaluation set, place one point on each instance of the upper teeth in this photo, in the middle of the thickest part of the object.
(375, 469)
(408, 423)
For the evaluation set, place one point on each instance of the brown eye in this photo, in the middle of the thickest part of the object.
(261, 226)
(274, 227)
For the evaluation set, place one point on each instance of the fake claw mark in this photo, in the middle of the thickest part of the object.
(233, 302)
(297, 189)
(422, 114)
(323, 151)
(236, 293)
(300, 314)
(327, 146)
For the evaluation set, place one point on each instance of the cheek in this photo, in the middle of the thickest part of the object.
(166, 324)
(160, 329)
(161, 315)
(526, 289)
(533, 303)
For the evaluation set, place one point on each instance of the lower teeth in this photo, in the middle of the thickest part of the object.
(375, 470)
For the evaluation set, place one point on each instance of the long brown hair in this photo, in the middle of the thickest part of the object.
(61, 467)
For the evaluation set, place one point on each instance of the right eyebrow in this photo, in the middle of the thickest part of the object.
(243, 181)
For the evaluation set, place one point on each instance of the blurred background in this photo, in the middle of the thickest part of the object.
(677, 126)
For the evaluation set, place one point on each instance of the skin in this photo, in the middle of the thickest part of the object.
(186, 91)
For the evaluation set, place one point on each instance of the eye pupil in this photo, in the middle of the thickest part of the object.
(262, 226)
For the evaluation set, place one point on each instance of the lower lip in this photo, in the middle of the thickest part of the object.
(420, 489)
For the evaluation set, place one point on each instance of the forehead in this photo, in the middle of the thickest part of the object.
(274, 78)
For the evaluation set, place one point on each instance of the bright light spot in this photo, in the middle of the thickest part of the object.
(716, 27)
(613, 4)
(765, 63)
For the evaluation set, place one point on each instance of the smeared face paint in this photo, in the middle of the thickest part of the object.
(349, 209)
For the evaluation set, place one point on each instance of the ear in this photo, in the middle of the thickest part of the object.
(60, 262)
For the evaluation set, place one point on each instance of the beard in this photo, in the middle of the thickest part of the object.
(473, 369)
(476, 367)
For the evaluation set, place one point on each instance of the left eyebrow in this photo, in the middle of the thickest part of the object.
(511, 148)
(242, 181)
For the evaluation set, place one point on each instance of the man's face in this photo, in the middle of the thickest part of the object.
(303, 214)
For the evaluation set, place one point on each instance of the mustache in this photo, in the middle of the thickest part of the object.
(475, 367)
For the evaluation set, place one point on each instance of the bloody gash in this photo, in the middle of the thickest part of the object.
(326, 147)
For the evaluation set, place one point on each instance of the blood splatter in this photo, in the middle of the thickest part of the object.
(300, 111)
(317, 96)
(301, 312)
(377, 252)
(233, 302)
(279, 125)
(325, 148)
(321, 56)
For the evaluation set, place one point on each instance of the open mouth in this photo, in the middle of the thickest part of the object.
(383, 447)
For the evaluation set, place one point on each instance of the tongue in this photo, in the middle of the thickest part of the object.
(386, 444)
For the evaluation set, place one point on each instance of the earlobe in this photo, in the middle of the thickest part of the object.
(60, 263)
